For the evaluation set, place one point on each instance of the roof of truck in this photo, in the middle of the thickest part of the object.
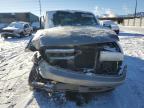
(69, 11)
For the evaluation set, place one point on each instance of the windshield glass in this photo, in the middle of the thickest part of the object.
(109, 22)
(16, 25)
(74, 18)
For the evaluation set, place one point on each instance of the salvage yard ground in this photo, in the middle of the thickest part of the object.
(15, 65)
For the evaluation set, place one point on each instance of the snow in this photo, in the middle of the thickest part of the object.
(15, 65)
(11, 28)
(133, 29)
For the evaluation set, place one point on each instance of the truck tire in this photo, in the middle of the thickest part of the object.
(5, 37)
(30, 33)
(34, 76)
(22, 34)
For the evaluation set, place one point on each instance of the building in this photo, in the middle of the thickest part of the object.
(134, 20)
(128, 20)
(18, 16)
(118, 20)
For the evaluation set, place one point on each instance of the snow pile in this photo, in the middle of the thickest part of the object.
(14, 69)
(15, 65)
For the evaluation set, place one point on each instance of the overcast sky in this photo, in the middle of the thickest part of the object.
(119, 7)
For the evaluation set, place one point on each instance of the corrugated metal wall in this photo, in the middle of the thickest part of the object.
(10, 17)
(134, 22)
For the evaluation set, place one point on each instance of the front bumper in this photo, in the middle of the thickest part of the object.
(9, 34)
(80, 79)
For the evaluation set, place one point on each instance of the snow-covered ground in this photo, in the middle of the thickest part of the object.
(15, 65)
(132, 29)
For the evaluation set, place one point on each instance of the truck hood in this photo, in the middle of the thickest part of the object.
(72, 35)
(11, 28)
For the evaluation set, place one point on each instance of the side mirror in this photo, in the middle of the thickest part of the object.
(25, 26)
(30, 47)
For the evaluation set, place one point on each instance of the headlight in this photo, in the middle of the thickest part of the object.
(111, 52)
(112, 47)
(60, 54)
(111, 56)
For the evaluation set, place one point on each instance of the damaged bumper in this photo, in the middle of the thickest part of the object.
(8, 34)
(79, 80)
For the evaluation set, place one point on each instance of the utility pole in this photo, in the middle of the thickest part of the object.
(40, 13)
(135, 12)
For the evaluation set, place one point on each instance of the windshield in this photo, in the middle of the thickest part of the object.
(16, 25)
(75, 19)
(109, 22)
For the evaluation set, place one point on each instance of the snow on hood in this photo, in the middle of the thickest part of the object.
(11, 28)
(72, 35)
(15, 26)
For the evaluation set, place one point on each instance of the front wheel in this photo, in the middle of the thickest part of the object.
(5, 37)
(117, 32)
(30, 33)
(34, 76)
(22, 34)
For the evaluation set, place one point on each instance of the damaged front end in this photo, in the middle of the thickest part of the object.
(83, 67)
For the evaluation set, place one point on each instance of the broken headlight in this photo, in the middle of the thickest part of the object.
(60, 54)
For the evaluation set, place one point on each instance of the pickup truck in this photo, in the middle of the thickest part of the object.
(75, 53)
(17, 29)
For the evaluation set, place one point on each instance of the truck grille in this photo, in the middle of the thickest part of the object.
(85, 57)
(9, 31)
